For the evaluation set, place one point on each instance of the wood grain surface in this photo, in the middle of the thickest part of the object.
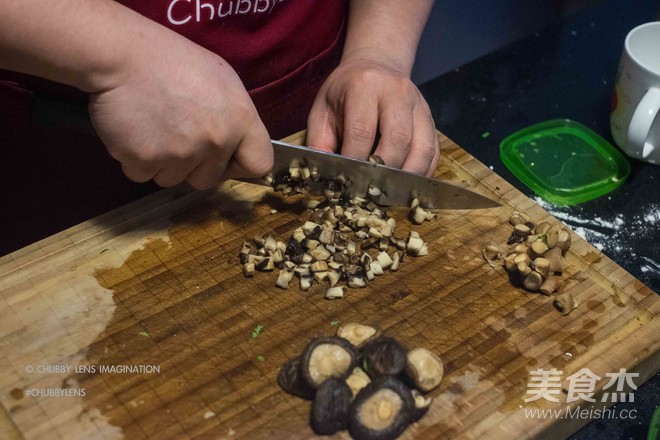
(157, 283)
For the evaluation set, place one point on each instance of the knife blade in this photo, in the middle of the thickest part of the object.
(397, 187)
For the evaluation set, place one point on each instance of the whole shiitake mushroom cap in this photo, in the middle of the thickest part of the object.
(331, 407)
(291, 380)
(327, 357)
(424, 368)
(357, 334)
(381, 411)
(384, 356)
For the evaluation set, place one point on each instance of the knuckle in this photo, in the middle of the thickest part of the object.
(362, 131)
(400, 139)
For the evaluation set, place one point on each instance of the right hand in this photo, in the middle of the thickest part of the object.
(178, 112)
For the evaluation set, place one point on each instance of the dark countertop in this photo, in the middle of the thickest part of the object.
(566, 71)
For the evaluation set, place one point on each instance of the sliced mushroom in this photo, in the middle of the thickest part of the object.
(491, 252)
(424, 368)
(532, 281)
(537, 249)
(549, 286)
(327, 357)
(554, 257)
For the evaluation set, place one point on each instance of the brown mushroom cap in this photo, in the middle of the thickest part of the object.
(424, 368)
(382, 410)
(357, 334)
(327, 357)
(357, 380)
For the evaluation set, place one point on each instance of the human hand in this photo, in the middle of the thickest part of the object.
(178, 112)
(363, 97)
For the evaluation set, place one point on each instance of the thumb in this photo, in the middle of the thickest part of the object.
(253, 156)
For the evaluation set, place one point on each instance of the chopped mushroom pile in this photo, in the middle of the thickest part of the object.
(346, 242)
(534, 258)
(362, 381)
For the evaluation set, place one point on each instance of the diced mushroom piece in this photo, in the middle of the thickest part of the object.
(549, 286)
(537, 249)
(298, 235)
(523, 269)
(564, 303)
(248, 270)
(522, 258)
(319, 277)
(385, 260)
(509, 264)
(266, 265)
(554, 257)
(552, 237)
(334, 292)
(333, 277)
(284, 279)
(532, 281)
(376, 159)
(357, 334)
(376, 268)
(270, 244)
(522, 230)
(564, 240)
(311, 203)
(424, 368)
(305, 282)
(357, 282)
(319, 266)
(542, 266)
(327, 235)
(542, 228)
(491, 252)
(516, 219)
(374, 191)
(308, 227)
(307, 257)
(416, 245)
(396, 260)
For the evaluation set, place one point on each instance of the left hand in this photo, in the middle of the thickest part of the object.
(363, 97)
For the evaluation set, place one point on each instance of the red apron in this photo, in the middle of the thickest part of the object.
(51, 179)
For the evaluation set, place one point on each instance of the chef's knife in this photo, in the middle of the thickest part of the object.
(397, 187)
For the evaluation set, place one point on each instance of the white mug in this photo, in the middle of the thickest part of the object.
(633, 120)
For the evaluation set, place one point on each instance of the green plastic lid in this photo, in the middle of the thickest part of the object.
(564, 162)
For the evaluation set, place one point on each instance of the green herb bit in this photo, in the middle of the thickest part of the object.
(257, 330)
(143, 333)
(104, 250)
(335, 322)
(261, 358)
(365, 365)
(485, 134)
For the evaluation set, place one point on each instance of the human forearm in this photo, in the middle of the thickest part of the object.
(84, 43)
(386, 30)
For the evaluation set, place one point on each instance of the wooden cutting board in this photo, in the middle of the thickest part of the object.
(157, 285)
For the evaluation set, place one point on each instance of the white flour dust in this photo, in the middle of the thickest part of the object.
(618, 235)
